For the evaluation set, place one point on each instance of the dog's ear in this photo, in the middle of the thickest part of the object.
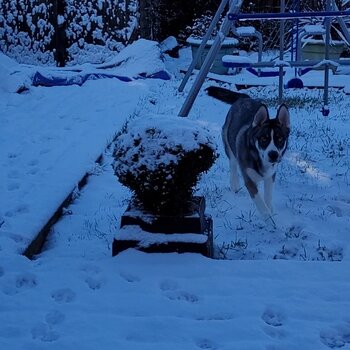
(261, 116)
(283, 116)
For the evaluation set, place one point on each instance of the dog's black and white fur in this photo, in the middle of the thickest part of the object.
(254, 143)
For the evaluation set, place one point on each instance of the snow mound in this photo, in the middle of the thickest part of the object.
(141, 57)
(11, 79)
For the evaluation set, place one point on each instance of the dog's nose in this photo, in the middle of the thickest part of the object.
(273, 156)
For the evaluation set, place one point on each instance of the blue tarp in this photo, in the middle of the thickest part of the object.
(79, 79)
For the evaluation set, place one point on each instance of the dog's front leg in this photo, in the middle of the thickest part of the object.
(259, 202)
(234, 180)
(268, 187)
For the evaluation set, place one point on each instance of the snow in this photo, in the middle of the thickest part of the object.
(314, 29)
(287, 288)
(42, 150)
(129, 62)
(226, 42)
(60, 20)
(168, 44)
(10, 76)
(245, 31)
(237, 59)
(146, 239)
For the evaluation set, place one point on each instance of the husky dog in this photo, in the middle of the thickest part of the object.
(255, 143)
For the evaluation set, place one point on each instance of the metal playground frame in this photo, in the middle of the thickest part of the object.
(234, 15)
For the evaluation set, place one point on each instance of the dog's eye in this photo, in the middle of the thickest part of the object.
(279, 139)
(263, 139)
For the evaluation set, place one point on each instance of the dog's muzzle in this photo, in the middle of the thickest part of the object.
(273, 157)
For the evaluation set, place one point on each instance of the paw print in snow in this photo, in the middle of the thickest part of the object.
(273, 317)
(166, 285)
(206, 344)
(54, 317)
(26, 280)
(91, 269)
(93, 283)
(182, 296)
(64, 295)
(43, 333)
(336, 337)
(129, 277)
(13, 186)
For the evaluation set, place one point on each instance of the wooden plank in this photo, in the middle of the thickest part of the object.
(36, 245)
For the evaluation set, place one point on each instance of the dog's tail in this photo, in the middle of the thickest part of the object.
(224, 95)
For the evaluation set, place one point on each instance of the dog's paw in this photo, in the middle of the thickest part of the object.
(269, 220)
(234, 183)
(234, 186)
(236, 190)
(270, 208)
(266, 222)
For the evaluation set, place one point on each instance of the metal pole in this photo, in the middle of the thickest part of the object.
(225, 28)
(287, 15)
(280, 80)
(326, 67)
(306, 63)
(205, 39)
(296, 35)
(342, 23)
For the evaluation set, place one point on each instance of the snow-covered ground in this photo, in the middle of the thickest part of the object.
(283, 288)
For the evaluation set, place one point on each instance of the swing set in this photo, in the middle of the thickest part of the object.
(234, 15)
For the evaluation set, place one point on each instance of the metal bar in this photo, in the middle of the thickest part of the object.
(225, 28)
(326, 68)
(287, 15)
(203, 43)
(296, 35)
(280, 75)
(344, 29)
(342, 24)
(308, 63)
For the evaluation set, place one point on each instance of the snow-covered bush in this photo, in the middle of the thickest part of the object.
(110, 24)
(26, 30)
(35, 31)
(201, 24)
(195, 33)
(160, 19)
(160, 158)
